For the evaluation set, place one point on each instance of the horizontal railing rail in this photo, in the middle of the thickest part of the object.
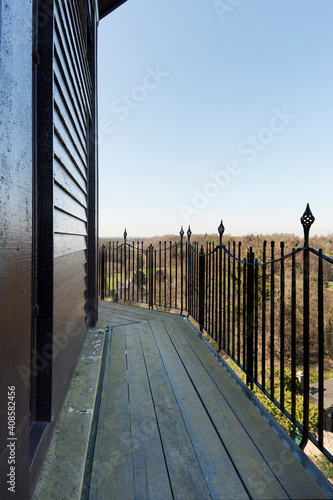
(270, 313)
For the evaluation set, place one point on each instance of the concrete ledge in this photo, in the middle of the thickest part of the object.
(64, 465)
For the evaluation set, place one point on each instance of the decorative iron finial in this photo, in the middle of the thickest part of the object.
(189, 232)
(125, 234)
(307, 220)
(181, 232)
(221, 231)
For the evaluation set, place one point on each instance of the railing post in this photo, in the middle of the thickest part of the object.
(125, 264)
(250, 318)
(151, 275)
(181, 271)
(201, 288)
(307, 220)
(103, 273)
(188, 272)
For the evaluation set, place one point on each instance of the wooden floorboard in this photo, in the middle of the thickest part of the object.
(173, 423)
(185, 473)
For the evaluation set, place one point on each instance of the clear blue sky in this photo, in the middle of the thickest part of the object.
(216, 109)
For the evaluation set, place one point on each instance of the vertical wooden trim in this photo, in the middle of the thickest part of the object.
(45, 212)
(92, 293)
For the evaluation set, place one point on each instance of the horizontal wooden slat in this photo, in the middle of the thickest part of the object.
(66, 158)
(65, 223)
(64, 178)
(69, 118)
(66, 265)
(68, 142)
(61, 92)
(63, 48)
(65, 32)
(61, 71)
(65, 244)
(65, 202)
(79, 40)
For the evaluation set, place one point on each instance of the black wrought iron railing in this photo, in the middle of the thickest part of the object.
(271, 312)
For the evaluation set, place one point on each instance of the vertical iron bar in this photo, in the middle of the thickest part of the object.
(212, 316)
(109, 259)
(181, 272)
(272, 320)
(176, 280)
(239, 291)
(306, 343)
(117, 267)
(321, 348)
(125, 266)
(244, 311)
(133, 271)
(293, 335)
(102, 274)
(201, 288)
(263, 331)
(282, 330)
(233, 321)
(165, 277)
(224, 300)
(160, 265)
(144, 277)
(228, 301)
(138, 279)
(256, 287)
(208, 305)
(170, 258)
(220, 294)
(155, 295)
(249, 320)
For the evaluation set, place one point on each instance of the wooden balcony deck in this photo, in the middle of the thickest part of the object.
(174, 424)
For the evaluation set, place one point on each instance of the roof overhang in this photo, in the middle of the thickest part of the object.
(107, 6)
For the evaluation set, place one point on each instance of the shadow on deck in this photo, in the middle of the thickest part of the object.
(172, 423)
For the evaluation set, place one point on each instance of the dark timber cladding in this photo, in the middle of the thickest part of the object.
(73, 115)
(66, 183)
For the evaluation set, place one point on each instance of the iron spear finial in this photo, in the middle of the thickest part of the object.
(307, 220)
(221, 231)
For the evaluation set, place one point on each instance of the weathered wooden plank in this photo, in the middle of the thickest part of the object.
(112, 471)
(65, 179)
(68, 224)
(149, 467)
(290, 473)
(63, 201)
(67, 264)
(64, 124)
(65, 157)
(65, 244)
(186, 476)
(222, 478)
(245, 456)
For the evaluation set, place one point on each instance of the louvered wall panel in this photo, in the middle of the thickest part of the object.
(72, 101)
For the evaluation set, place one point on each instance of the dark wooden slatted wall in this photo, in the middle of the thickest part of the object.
(72, 114)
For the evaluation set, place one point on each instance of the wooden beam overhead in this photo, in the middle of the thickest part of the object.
(107, 6)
